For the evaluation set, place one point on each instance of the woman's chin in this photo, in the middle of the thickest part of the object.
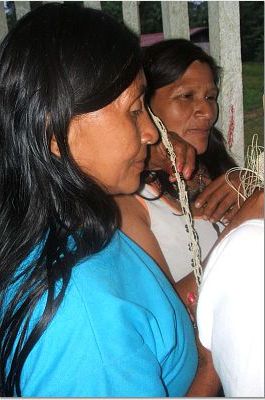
(201, 148)
(128, 188)
(132, 189)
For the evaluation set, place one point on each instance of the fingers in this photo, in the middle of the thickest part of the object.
(218, 208)
(210, 189)
(229, 215)
(185, 155)
(158, 157)
(218, 201)
(189, 164)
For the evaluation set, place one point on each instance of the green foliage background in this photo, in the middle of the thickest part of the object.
(253, 74)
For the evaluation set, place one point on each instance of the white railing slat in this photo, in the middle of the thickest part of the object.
(225, 47)
(22, 8)
(175, 19)
(93, 4)
(3, 22)
(131, 17)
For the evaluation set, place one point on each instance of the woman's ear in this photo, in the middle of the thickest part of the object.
(54, 147)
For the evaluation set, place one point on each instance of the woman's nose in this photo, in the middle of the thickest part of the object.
(149, 133)
(206, 109)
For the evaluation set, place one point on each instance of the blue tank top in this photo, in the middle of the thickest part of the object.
(121, 331)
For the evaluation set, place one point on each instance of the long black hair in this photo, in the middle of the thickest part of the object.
(58, 62)
(167, 61)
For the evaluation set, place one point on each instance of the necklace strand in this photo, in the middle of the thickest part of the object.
(193, 244)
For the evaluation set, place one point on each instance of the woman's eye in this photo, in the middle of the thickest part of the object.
(211, 98)
(136, 113)
(137, 108)
(185, 96)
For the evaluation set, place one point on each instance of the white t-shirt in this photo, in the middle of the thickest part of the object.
(170, 232)
(230, 312)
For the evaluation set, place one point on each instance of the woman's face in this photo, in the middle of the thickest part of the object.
(188, 106)
(110, 144)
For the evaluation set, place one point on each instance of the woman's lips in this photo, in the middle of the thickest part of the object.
(199, 131)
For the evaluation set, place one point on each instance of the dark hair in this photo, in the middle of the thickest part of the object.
(167, 61)
(59, 61)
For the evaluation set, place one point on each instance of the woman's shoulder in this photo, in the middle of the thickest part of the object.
(118, 262)
(116, 302)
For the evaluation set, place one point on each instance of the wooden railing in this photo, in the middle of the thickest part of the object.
(225, 47)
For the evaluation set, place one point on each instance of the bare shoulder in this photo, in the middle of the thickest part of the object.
(136, 224)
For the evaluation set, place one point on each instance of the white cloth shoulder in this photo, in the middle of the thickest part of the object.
(170, 232)
(230, 312)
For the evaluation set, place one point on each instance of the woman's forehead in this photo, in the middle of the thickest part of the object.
(136, 88)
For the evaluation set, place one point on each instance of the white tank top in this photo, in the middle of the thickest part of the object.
(169, 230)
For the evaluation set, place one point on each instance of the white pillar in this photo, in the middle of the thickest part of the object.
(175, 19)
(22, 8)
(131, 17)
(93, 4)
(225, 47)
(3, 22)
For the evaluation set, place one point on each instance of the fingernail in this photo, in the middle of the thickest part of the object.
(179, 167)
(197, 204)
(186, 172)
(205, 217)
(191, 297)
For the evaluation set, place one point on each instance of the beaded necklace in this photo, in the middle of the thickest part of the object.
(193, 244)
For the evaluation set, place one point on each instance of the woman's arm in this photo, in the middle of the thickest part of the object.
(206, 382)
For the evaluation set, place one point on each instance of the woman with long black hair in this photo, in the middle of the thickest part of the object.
(84, 311)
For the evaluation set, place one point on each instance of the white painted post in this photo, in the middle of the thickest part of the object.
(93, 4)
(3, 22)
(131, 17)
(51, 1)
(225, 47)
(22, 8)
(175, 19)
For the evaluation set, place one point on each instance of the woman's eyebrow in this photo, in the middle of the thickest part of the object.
(191, 87)
(140, 91)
